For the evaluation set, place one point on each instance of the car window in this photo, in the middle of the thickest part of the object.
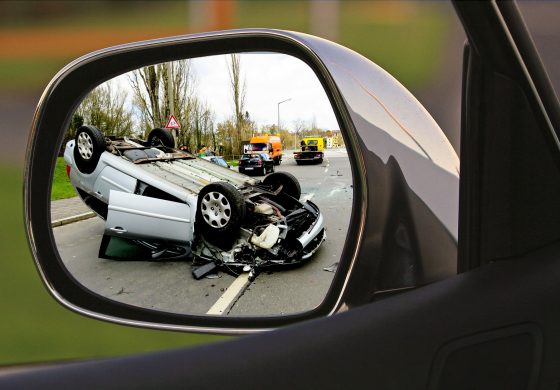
(221, 162)
(256, 147)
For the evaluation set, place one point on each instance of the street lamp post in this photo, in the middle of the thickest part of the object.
(283, 101)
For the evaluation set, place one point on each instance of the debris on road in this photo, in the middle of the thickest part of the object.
(332, 268)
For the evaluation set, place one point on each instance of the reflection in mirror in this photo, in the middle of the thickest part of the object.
(216, 185)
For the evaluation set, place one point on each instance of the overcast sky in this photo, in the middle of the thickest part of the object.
(269, 79)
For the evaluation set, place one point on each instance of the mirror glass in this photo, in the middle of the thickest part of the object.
(217, 185)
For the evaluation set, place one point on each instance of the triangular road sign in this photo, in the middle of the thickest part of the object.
(172, 123)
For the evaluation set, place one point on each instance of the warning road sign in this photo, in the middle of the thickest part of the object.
(172, 123)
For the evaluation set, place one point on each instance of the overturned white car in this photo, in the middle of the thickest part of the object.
(178, 205)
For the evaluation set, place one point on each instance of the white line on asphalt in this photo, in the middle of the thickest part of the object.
(334, 191)
(223, 302)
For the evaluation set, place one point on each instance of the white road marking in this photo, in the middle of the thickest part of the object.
(227, 298)
(334, 191)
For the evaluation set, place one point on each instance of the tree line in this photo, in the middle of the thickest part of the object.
(157, 91)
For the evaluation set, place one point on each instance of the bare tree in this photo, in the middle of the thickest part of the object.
(208, 136)
(152, 95)
(225, 132)
(238, 91)
(104, 108)
(299, 128)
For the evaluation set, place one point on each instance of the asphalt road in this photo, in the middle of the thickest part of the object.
(170, 286)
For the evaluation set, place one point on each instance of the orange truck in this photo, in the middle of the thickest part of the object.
(271, 144)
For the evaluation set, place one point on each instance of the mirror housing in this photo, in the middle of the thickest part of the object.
(403, 226)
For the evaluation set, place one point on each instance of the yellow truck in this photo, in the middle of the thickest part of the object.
(311, 151)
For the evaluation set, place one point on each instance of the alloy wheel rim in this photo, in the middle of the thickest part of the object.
(85, 146)
(215, 209)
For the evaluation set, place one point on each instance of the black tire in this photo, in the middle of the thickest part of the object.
(161, 137)
(290, 185)
(223, 225)
(272, 169)
(88, 147)
(298, 162)
(263, 171)
(320, 161)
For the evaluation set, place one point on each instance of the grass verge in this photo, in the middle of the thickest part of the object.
(61, 188)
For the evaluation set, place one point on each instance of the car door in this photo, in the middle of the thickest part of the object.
(140, 217)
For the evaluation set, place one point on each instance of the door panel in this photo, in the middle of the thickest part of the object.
(142, 217)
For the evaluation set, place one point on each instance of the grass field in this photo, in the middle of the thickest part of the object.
(34, 328)
(61, 188)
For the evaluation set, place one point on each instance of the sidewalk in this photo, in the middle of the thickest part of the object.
(69, 210)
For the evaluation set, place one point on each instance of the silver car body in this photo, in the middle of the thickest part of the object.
(115, 180)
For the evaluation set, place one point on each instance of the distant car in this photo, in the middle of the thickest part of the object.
(163, 197)
(256, 164)
(218, 160)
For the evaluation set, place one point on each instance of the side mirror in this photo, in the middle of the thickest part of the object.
(347, 227)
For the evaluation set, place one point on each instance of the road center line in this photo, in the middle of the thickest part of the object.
(223, 302)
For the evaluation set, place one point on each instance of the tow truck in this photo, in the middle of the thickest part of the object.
(311, 151)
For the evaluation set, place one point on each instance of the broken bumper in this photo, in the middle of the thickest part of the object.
(314, 230)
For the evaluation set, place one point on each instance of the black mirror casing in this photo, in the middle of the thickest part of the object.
(405, 176)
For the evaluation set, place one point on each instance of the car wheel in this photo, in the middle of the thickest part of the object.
(220, 211)
(272, 169)
(88, 147)
(161, 137)
(287, 181)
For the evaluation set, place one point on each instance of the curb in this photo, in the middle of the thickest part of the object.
(72, 219)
